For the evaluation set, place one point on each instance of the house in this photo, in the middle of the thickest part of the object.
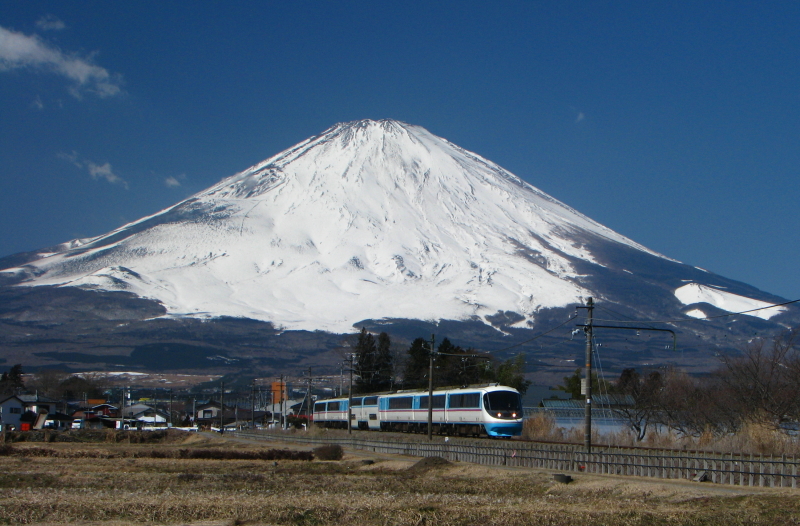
(208, 414)
(105, 409)
(97, 411)
(146, 415)
(40, 405)
(58, 421)
(11, 410)
(25, 411)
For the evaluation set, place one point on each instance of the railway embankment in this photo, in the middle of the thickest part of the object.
(699, 466)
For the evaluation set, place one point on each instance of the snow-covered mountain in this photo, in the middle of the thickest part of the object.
(378, 220)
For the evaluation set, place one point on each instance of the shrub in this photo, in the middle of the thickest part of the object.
(329, 452)
(541, 426)
(297, 422)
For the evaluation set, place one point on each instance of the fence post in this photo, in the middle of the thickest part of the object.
(783, 470)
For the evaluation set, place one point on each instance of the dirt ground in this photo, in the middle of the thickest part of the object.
(118, 484)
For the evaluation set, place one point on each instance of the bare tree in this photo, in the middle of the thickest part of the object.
(47, 381)
(764, 381)
(645, 392)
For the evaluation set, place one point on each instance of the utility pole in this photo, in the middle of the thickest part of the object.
(253, 405)
(587, 426)
(430, 388)
(170, 409)
(308, 403)
(586, 383)
(283, 412)
(350, 399)
(221, 408)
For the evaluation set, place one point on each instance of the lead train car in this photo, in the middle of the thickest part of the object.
(495, 411)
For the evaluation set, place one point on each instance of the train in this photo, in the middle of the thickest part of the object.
(490, 410)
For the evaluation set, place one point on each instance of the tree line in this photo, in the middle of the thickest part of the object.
(51, 383)
(379, 369)
(760, 385)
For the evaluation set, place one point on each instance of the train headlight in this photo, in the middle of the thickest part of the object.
(499, 415)
(513, 415)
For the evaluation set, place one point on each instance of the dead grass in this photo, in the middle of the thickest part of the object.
(329, 452)
(755, 438)
(124, 489)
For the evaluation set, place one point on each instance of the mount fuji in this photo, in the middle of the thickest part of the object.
(380, 221)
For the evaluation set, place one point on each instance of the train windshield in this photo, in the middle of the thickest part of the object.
(503, 401)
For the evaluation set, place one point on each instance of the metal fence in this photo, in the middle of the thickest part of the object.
(739, 470)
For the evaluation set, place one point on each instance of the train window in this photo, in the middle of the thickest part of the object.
(465, 400)
(371, 400)
(438, 402)
(333, 406)
(503, 401)
(356, 402)
(319, 407)
(400, 402)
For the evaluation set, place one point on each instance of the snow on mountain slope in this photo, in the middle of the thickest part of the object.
(692, 293)
(370, 219)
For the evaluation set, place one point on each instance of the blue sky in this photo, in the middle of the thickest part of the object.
(677, 125)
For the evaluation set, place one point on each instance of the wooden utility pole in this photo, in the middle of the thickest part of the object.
(587, 426)
(309, 411)
(283, 412)
(221, 407)
(430, 388)
(122, 411)
(253, 405)
(350, 399)
(586, 383)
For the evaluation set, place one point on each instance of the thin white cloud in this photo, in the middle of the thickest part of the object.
(97, 171)
(37, 103)
(19, 51)
(50, 23)
(71, 157)
(105, 172)
(578, 114)
(174, 182)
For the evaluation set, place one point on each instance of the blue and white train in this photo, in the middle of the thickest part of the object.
(493, 410)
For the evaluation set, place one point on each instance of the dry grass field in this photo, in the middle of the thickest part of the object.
(181, 481)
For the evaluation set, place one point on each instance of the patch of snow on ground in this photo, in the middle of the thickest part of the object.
(727, 301)
(697, 313)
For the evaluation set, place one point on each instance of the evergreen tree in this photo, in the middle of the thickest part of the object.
(456, 366)
(384, 364)
(11, 381)
(512, 373)
(374, 364)
(572, 385)
(415, 374)
(365, 362)
(76, 387)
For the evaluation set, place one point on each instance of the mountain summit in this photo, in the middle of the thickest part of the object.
(378, 220)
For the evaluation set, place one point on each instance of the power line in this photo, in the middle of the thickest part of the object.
(682, 320)
(537, 336)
